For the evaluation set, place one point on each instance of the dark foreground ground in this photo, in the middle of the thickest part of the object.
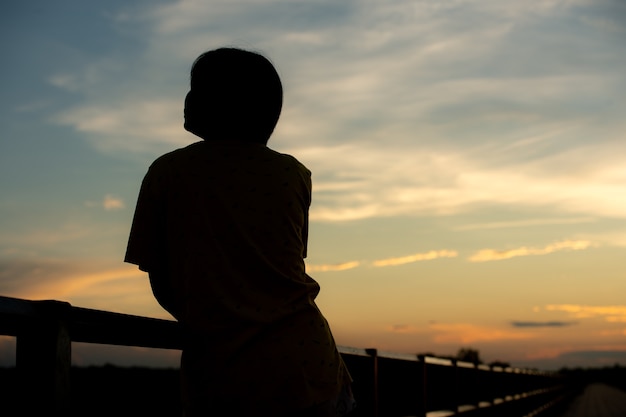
(114, 391)
(110, 391)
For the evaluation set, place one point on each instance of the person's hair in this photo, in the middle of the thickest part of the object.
(236, 93)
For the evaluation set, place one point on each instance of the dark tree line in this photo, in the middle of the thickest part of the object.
(471, 355)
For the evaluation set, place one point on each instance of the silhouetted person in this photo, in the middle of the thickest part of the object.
(221, 228)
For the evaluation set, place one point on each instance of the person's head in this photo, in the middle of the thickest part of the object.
(235, 94)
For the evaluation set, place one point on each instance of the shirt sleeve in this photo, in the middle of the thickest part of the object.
(145, 242)
(307, 203)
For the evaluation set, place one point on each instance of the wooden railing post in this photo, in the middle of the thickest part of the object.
(43, 360)
(374, 354)
(456, 386)
(424, 393)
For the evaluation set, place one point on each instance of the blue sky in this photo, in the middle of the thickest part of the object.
(467, 158)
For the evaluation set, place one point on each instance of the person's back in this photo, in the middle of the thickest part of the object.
(221, 227)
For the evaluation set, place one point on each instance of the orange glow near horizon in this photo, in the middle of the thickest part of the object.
(465, 333)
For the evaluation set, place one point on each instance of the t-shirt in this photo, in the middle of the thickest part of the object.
(229, 222)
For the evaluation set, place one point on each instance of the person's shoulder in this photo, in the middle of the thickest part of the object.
(288, 160)
(176, 156)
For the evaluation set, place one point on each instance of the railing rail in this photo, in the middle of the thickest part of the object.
(385, 383)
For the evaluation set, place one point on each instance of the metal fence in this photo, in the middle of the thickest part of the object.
(385, 383)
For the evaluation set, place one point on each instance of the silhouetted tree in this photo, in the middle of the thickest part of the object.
(469, 355)
(500, 364)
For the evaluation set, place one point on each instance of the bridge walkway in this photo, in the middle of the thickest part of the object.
(598, 400)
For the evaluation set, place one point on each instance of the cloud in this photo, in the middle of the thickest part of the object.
(384, 262)
(542, 323)
(470, 333)
(332, 267)
(486, 255)
(90, 283)
(404, 329)
(415, 258)
(112, 203)
(472, 111)
(613, 314)
(132, 123)
(390, 181)
(63, 279)
(108, 203)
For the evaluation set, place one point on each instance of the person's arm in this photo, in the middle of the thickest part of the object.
(164, 291)
(307, 205)
(146, 244)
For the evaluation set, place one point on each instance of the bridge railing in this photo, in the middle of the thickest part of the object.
(385, 383)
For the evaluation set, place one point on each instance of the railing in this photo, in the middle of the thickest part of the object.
(393, 384)
(385, 384)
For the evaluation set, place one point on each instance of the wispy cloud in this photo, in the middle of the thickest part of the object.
(113, 203)
(613, 313)
(405, 329)
(392, 181)
(487, 255)
(61, 279)
(108, 203)
(542, 323)
(427, 256)
(332, 267)
(344, 266)
(131, 123)
(484, 255)
(413, 77)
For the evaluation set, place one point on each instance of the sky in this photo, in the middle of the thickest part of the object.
(468, 159)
